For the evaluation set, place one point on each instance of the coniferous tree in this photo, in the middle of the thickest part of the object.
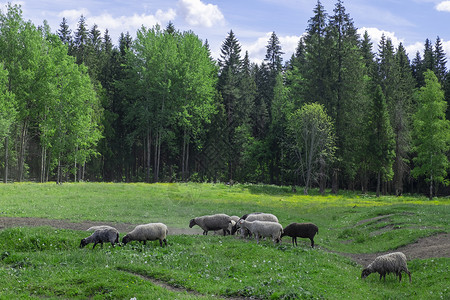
(346, 100)
(428, 57)
(65, 34)
(316, 58)
(381, 139)
(230, 64)
(416, 67)
(440, 61)
(80, 41)
(400, 115)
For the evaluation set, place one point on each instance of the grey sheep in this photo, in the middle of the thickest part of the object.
(388, 263)
(230, 227)
(101, 236)
(301, 230)
(263, 229)
(147, 232)
(212, 222)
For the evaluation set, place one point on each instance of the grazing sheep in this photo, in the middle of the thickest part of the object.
(147, 232)
(258, 216)
(101, 236)
(263, 229)
(230, 227)
(388, 263)
(302, 230)
(212, 222)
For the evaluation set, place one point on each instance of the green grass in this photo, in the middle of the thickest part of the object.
(44, 262)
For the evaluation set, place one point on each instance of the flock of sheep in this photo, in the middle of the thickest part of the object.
(259, 225)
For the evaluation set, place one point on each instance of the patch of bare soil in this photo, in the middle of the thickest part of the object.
(429, 247)
(6, 222)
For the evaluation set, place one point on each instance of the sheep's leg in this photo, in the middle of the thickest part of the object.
(400, 276)
(225, 232)
(312, 242)
(160, 242)
(409, 274)
(165, 242)
(95, 244)
(205, 232)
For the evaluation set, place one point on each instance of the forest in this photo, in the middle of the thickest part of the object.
(341, 113)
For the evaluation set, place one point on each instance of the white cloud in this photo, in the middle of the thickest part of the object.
(375, 35)
(413, 48)
(196, 13)
(443, 6)
(257, 50)
(120, 24)
(73, 14)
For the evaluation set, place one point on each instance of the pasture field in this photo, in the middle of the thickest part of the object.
(45, 262)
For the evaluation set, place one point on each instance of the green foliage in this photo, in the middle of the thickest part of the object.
(313, 133)
(431, 133)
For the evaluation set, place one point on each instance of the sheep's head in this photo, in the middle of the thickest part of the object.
(125, 239)
(366, 272)
(83, 243)
(192, 223)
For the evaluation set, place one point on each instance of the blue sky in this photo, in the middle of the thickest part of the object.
(252, 21)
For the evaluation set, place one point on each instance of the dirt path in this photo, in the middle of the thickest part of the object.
(433, 246)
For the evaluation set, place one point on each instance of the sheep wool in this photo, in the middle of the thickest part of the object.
(98, 227)
(148, 232)
(212, 222)
(101, 236)
(388, 263)
(257, 216)
(301, 230)
(263, 229)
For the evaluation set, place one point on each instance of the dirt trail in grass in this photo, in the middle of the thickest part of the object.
(433, 246)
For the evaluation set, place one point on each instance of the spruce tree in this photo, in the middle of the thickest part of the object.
(230, 64)
(80, 41)
(440, 61)
(65, 34)
(345, 96)
(381, 139)
(400, 115)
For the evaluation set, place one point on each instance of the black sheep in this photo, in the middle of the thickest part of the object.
(302, 230)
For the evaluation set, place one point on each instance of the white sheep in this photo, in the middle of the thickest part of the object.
(388, 263)
(98, 227)
(212, 222)
(147, 232)
(263, 229)
(101, 236)
(258, 216)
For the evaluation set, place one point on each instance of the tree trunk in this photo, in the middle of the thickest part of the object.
(378, 183)
(5, 174)
(334, 182)
(43, 163)
(431, 188)
(149, 148)
(23, 138)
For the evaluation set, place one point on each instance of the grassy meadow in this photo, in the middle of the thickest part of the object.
(45, 262)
